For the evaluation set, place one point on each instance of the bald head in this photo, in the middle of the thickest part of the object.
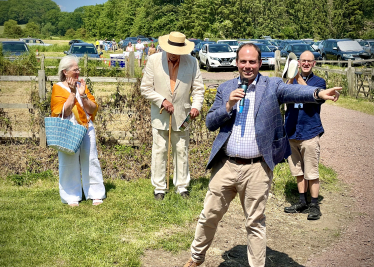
(306, 63)
(307, 55)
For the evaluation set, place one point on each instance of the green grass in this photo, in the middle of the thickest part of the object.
(362, 105)
(36, 229)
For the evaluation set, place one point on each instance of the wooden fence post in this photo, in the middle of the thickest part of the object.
(42, 62)
(277, 62)
(132, 64)
(42, 87)
(351, 78)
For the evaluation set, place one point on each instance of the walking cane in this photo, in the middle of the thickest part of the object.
(169, 146)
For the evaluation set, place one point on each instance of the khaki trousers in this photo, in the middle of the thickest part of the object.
(179, 144)
(252, 182)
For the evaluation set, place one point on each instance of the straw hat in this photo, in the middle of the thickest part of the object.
(176, 43)
(291, 68)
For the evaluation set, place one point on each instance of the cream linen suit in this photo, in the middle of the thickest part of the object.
(156, 88)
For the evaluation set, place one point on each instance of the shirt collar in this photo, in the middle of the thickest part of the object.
(254, 81)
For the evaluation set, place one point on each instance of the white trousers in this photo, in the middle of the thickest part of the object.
(85, 161)
(179, 143)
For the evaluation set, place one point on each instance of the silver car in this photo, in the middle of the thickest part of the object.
(368, 46)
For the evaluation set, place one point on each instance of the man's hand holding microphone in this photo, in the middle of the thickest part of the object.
(236, 95)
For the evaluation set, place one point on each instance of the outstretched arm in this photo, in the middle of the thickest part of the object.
(330, 94)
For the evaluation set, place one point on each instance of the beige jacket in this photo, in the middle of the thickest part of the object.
(155, 87)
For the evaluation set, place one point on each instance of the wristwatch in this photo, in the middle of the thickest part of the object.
(317, 93)
(84, 96)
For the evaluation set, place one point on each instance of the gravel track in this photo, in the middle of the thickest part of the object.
(348, 148)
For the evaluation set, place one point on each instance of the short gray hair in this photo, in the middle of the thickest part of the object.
(65, 64)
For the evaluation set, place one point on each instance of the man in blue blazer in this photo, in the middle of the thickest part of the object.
(249, 145)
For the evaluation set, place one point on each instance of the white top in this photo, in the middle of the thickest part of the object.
(129, 48)
(139, 46)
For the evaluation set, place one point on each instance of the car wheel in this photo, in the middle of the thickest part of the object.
(324, 57)
(201, 65)
(208, 67)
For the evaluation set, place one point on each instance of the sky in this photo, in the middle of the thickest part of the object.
(71, 5)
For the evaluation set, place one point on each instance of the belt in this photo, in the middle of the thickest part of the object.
(246, 161)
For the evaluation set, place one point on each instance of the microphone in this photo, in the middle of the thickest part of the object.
(244, 86)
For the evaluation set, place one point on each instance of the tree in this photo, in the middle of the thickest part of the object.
(12, 30)
(70, 33)
(32, 29)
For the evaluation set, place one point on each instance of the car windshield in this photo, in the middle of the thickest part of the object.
(84, 50)
(349, 46)
(14, 47)
(264, 48)
(195, 41)
(229, 42)
(302, 48)
(219, 49)
(265, 42)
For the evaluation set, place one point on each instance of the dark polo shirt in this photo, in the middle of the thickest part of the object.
(303, 122)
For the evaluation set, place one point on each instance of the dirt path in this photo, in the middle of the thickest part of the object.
(344, 235)
(348, 148)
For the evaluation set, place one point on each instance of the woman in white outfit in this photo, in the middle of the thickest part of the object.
(72, 100)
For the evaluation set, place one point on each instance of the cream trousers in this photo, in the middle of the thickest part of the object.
(85, 161)
(179, 144)
(252, 182)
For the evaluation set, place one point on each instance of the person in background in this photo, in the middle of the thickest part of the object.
(250, 143)
(152, 49)
(304, 129)
(129, 47)
(146, 49)
(101, 42)
(139, 52)
(97, 43)
(72, 98)
(114, 45)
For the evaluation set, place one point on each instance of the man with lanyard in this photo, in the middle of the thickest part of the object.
(304, 129)
(251, 141)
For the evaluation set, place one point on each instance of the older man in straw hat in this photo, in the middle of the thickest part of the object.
(170, 79)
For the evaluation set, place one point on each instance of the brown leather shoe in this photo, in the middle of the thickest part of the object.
(191, 263)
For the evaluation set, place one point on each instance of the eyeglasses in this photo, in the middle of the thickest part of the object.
(306, 61)
(76, 70)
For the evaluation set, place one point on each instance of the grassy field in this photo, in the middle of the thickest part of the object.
(36, 229)
(361, 105)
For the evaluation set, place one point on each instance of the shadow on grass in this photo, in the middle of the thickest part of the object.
(109, 186)
(292, 193)
(237, 257)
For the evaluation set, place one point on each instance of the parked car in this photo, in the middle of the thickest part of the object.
(197, 48)
(267, 56)
(368, 46)
(80, 49)
(266, 42)
(284, 43)
(298, 49)
(320, 46)
(75, 41)
(232, 43)
(34, 41)
(315, 45)
(133, 40)
(342, 49)
(217, 56)
(14, 48)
